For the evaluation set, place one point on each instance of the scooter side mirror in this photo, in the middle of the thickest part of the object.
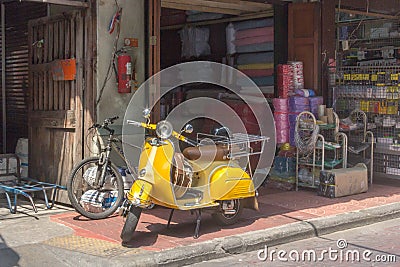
(188, 129)
(146, 113)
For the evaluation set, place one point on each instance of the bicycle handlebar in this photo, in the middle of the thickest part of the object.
(105, 124)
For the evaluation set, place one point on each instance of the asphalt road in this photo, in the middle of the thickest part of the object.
(372, 245)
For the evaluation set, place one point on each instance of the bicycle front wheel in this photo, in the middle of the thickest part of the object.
(89, 201)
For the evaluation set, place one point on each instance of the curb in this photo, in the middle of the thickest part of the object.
(223, 247)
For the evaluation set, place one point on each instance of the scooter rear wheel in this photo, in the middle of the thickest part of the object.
(131, 222)
(228, 219)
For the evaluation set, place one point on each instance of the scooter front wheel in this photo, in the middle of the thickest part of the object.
(131, 222)
(228, 219)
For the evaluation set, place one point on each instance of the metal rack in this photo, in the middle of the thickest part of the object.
(314, 152)
(239, 144)
(370, 96)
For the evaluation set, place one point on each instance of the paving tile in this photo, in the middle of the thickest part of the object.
(276, 208)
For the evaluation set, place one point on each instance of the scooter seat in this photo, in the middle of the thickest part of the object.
(207, 152)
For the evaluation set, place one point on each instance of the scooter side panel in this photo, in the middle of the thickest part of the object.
(229, 183)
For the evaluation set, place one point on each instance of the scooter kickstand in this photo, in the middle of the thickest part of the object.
(196, 231)
(170, 218)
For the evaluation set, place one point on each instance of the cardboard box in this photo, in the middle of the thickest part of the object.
(344, 182)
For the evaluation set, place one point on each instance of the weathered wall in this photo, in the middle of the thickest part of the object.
(132, 25)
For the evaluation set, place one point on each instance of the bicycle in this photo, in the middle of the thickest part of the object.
(95, 186)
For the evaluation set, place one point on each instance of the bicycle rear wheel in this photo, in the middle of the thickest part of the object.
(85, 198)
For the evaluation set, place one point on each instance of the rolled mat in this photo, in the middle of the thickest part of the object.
(258, 73)
(259, 81)
(264, 81)
(266, 57)
(250, 24)
(254, 32)
(254, 40)
(257, 66)
(268, 46)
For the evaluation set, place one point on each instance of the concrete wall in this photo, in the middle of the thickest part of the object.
(132, 25)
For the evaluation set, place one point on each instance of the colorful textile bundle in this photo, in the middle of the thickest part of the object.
(298, 75)
(285, 80)
(281, 119)
(299, 104)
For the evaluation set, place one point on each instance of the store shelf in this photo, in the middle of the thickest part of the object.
(264, 14)
(386, 150)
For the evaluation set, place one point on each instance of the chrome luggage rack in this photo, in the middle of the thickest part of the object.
(239, 144)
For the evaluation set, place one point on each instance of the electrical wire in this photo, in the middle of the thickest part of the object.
(113, 55)
(359, 24)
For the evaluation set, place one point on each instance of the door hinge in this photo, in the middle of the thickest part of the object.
(153, 40)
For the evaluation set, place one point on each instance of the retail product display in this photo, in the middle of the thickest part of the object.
(361, 141)
(367, 79)
(314, 152)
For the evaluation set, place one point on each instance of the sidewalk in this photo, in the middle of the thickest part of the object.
(283, 216)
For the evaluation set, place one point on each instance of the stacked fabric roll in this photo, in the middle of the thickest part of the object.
(253, 42)
(281, 111)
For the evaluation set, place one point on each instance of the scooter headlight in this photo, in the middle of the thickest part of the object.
(164, 129)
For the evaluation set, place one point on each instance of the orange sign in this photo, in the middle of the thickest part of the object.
(64, 70)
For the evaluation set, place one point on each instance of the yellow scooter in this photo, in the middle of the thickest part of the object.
(207, 175)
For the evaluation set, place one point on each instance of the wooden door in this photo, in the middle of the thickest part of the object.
(304, 32)
(56, 107)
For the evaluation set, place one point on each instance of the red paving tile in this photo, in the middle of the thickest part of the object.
(276, 208)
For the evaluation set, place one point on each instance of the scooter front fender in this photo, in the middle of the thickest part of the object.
(140, 193)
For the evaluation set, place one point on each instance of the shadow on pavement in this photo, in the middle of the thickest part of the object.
(8, 257)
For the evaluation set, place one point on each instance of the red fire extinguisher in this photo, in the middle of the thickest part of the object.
(124, 72)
